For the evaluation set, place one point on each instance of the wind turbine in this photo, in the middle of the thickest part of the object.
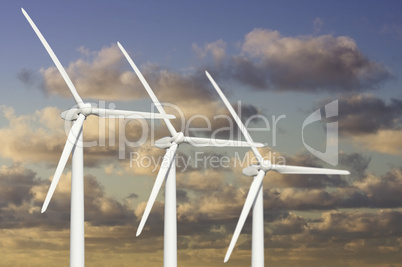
(74, 145)
(168, 171)
(255, 196)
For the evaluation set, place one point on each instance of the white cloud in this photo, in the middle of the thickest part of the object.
(384, 141)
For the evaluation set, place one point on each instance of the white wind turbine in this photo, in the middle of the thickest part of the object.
(255, 194)
(74, 145)
(168, 171)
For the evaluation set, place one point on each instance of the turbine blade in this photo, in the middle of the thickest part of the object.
(55, 60)
(252, 194)
(151, 93)
(104, 113)
(166, 164)
(236, 118)
(68, 147)
(288, 169)
(204, 142)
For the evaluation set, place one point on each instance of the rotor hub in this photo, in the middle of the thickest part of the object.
(179, 138)
(86, 109)
(251, 170)
(254, 169)
(266, 165)
(72, 113)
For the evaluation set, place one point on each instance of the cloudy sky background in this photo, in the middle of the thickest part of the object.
(279, 59)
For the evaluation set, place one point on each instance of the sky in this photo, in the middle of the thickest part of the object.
(282, 61)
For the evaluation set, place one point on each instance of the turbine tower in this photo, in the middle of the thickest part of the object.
(74, 145)
(168, 171)
(255, 194)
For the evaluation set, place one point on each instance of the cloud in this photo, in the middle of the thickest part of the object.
(266, 60)
(384, 141)
(209, 200)
(16, 183)
(317, 23)
(101, 209)
(22, 194)
(363, 114)
(334, 234)
(288, 225)
(105, 74)
(356, 163)
(98, 75)
(188, 96)
(207, 180)
(370, 122)
(208, 210)
(305, 63)
(359, 223)
(395, 30)
(132, 195)
(291, 191)
(384, 191)
(28, 77)
(154, 224)
(40, 137)
(216, 49)
(35, 138)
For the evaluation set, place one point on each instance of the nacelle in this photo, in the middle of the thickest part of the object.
(251, 170)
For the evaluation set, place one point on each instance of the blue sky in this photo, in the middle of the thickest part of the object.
(279, 58)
